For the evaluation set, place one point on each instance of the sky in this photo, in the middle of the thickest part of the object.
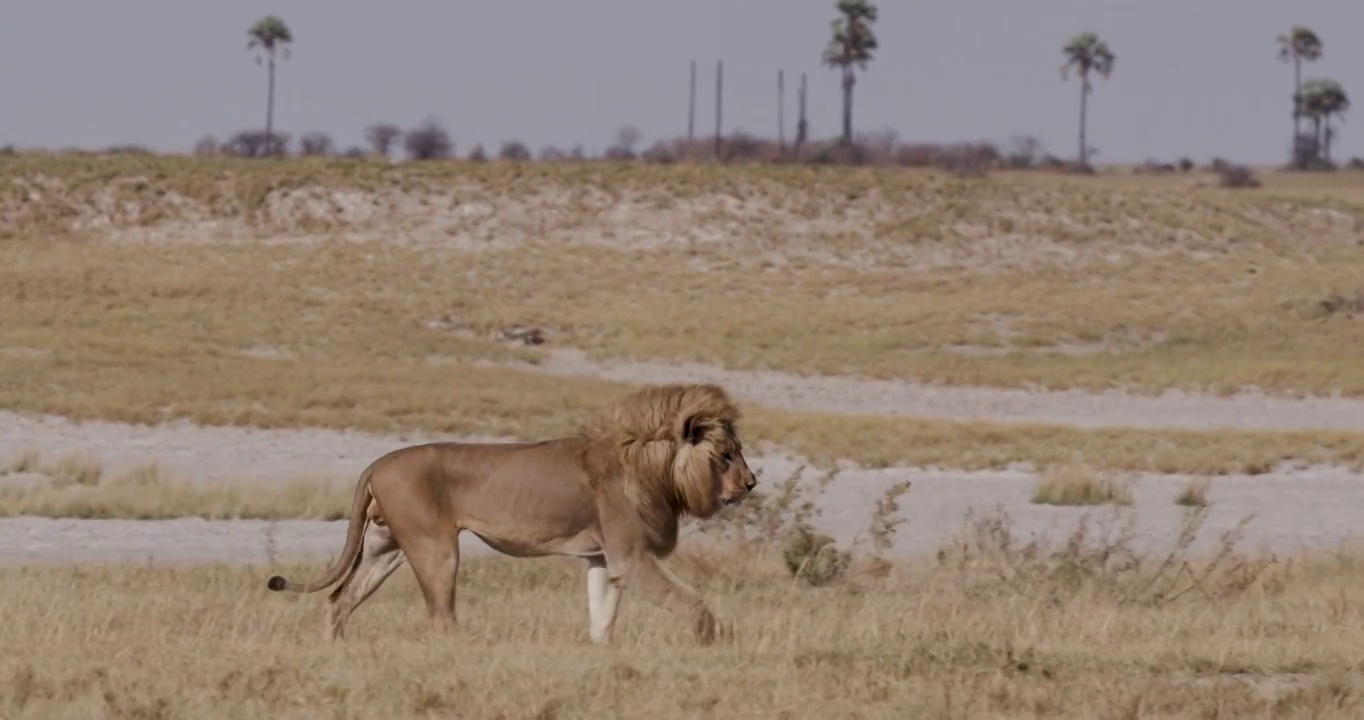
(1193, 77)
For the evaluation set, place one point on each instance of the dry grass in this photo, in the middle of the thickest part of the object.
(1071, 484)
(1018, 279)
(146, 493)
(375, 297)
(1077, 629)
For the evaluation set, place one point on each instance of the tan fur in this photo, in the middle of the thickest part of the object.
(612, 494)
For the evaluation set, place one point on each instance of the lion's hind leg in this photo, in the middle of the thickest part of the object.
(379, 557)
(435, 562)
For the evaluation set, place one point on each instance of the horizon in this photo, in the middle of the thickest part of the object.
(1172, 92)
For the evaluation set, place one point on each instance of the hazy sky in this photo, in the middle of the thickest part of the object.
(1196, 77)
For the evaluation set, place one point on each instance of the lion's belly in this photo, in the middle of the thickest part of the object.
(581, 544)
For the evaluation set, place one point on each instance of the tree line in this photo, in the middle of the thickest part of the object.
(1321, 101)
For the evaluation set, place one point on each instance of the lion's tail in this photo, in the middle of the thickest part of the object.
(354, 536)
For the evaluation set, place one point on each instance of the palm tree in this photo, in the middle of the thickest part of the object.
(1322, 98)
(1086, 53)
(1296, 46)
(851, 46)
(271, 36)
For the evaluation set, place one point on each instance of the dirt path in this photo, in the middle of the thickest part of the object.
(888, 397)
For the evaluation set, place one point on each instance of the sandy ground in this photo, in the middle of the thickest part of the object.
(1307, 510)
(1310, 508)
(856, 396)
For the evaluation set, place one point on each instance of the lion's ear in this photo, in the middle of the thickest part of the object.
(694, 429)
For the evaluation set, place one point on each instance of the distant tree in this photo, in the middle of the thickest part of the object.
(514, 150)
(1298, 45)
(627, 138)
(1086, 53)
(256, 143)
(271, 37)
(550, 153)
(851, 47)
(1320, 99)
(207, 146)
(428, 141)
(316, 142)
(381, 137)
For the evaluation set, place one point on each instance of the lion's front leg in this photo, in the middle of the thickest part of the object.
(643, 570)
(603, 600)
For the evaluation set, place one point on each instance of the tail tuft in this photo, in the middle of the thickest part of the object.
(276, 583)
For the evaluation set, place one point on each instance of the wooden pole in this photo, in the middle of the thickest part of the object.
(781, 111)
(691, 107)
(719, 102)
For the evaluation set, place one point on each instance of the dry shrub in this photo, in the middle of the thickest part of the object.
(1231, 175)
(1075, 484)
(813, 557)
(765, 524)
(76, 468)
(1194, 494)
(26, 460)
(1103, 562)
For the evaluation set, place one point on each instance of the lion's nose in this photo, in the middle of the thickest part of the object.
(752, 483)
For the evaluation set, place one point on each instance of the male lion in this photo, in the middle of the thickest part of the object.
(611, 494)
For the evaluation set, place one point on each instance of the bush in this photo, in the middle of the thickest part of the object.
(428, 141)
(316, 143)
(255, 143)
(514, 150)
(1236, 176)
(1078, 485)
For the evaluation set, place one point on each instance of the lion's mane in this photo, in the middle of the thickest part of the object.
(639, 447)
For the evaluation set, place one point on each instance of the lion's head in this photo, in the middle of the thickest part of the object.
(676, 449)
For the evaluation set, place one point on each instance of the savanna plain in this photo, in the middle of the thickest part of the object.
(1030, 444)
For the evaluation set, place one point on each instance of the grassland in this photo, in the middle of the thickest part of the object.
(993, 628)
(351, 293)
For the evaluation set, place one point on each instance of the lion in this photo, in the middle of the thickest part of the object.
(612, 494)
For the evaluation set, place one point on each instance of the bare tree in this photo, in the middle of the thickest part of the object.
(381, 137)
(627, 138)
